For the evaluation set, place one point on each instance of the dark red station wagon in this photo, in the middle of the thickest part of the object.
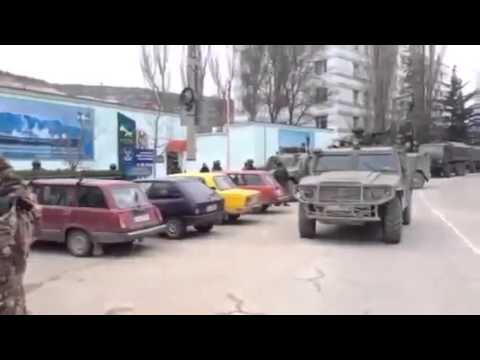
(83, 212)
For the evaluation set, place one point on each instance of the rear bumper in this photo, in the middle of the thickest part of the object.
(113, 238)
(211, 218)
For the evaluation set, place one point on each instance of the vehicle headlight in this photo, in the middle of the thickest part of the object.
(376, 193)
(306, 192)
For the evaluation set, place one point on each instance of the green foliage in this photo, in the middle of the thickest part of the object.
(455, 104)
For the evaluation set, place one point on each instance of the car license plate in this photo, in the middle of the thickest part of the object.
(142, 218)
(211, 208)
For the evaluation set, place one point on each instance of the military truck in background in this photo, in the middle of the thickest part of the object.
(474, 164)
(359, 185)
(447, 158)
(296, 161)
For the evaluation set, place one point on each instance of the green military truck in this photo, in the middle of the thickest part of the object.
(368, 185)
(447, 158)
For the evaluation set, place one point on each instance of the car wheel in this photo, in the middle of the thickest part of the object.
(204, 228)
(264, 208)
(392, 222)
(418, 181)
(306, 226)
(79, 243)
(176, 228)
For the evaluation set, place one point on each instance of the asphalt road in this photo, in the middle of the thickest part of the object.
(261, 266)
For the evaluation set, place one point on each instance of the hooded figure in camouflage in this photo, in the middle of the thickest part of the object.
(18, 214)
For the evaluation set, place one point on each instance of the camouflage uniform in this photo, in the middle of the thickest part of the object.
(17, 223)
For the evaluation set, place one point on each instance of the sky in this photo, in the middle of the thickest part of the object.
(118, 65)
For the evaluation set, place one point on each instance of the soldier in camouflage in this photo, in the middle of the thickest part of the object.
(18, 215)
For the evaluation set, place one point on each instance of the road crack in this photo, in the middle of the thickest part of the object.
(316, 279)
(31, 287)
(238, 307)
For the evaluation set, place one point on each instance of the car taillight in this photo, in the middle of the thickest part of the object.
(122, 219)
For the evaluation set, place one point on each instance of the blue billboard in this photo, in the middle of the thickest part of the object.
(295, 138)
(42, 130)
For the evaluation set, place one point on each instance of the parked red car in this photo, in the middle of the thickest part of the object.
(80, 212)
(271, 193)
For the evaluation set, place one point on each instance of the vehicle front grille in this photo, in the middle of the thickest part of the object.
(339, 193)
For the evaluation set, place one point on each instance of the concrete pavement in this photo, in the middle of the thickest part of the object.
(261, 266)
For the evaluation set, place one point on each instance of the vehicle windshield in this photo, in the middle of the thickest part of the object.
(377, 162)
(346, 162)
(129, 196)
(223, 182)
(343, 162)
(196, 190)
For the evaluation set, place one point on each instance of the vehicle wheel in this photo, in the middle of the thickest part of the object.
(306, 226)
(447, 171)
(392, 222)
(79, 243)
(203, 228)
(264, 208)
(232, 218)
(460, 169)
(418, 181)
(176, 228)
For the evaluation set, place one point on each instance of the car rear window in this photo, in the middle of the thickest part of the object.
(196, 190)
(223, 182)
(128, 197)
(252, 179)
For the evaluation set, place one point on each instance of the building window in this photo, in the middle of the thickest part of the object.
(366, 98)
(320, 67)
(321, 95)
(356, 122)
(355, 97)
(322, 122)
(356, 70)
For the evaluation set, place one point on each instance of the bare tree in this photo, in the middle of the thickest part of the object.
(274, 87)
(154, 64)
(297, 92)
(382, 69)
(223, 82)
(253, 71)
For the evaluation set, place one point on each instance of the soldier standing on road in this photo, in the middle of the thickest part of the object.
(18, 214)
(281, 176)
(204, 168)
(217, 166)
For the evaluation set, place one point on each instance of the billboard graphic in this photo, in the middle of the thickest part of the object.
(294, 138)
(134, 159)
(38, 129)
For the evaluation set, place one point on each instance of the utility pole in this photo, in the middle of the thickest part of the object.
(192, 119)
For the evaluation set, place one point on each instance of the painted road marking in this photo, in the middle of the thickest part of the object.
(450, 225)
